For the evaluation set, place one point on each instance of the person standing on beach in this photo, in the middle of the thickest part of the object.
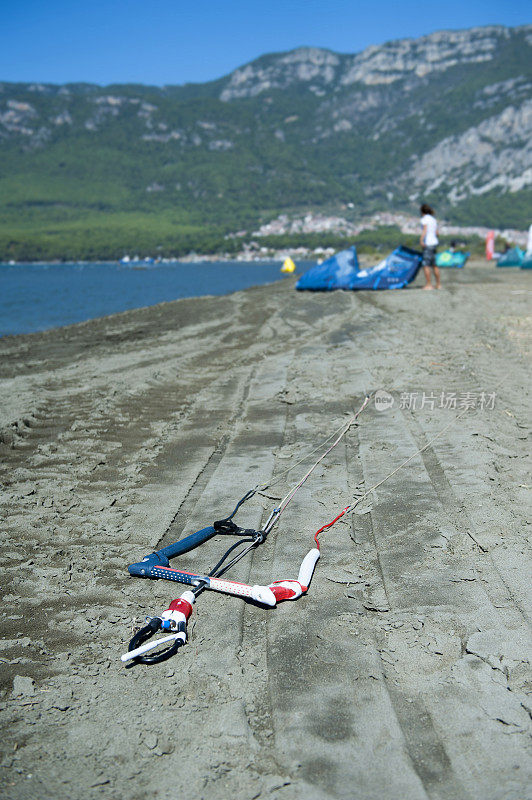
(429, 243)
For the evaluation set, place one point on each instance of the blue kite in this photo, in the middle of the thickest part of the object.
(342, 271)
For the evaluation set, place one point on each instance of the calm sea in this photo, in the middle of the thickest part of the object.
(34, 297)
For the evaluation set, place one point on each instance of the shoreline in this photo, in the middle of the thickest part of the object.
(473, 264)
(112, 288)
(191, 259)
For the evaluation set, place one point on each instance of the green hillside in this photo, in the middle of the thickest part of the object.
(92, 172)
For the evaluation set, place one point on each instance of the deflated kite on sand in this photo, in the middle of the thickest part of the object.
(342, 271)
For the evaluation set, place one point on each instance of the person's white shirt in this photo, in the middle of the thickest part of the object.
(431, 237)
(529, 242)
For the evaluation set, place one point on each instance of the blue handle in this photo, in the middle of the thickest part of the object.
(160, 557)
(188, 543)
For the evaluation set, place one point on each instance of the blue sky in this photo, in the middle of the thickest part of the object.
(172, 41)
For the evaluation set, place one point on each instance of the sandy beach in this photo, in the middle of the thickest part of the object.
(402, 674)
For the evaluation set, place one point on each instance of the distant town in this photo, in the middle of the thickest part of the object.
(316, 223)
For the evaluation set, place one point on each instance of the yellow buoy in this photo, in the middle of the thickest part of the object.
(288, 265)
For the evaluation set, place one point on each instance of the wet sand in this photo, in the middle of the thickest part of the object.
(402, 674)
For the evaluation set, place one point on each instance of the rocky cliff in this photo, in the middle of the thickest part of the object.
(447, 117)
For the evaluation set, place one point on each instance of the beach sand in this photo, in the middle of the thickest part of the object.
(403, 673)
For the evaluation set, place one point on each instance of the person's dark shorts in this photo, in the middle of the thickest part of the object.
(429, 257)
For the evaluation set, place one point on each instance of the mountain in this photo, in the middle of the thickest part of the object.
(95, 171)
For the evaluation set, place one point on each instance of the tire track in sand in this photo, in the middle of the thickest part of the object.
(424, 749)
(326, 706)
(435, 605)
(497, 589)
(176, 526)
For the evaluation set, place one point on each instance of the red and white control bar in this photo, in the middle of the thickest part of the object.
(180, 610)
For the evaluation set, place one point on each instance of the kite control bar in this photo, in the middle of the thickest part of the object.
(175, 617)
(267, 595)
(262, 594)
(157, 565)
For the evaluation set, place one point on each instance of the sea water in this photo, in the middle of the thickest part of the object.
(35, 297)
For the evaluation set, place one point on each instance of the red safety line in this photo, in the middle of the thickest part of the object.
(329, 525)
